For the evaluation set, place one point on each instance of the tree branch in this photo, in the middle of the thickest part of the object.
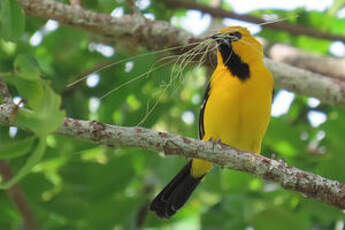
(159, 35)
(304, 82)
(4, 92)
(289, 177)
(329, 66)
(218, 12)
(16, 194)
(135, 30)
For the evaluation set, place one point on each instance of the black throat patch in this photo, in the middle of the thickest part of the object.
(234, 63)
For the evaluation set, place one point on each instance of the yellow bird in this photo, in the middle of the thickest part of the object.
(236, 110)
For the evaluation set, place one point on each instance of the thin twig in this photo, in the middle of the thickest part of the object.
(218, 12)
(16, 194)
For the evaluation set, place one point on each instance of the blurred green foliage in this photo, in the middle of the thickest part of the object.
(78, 185)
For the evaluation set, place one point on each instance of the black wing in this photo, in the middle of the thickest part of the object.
(202, 111)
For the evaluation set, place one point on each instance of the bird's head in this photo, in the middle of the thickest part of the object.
(236, 40)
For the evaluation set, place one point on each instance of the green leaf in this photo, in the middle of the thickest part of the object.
(27, 79)
(12, 20)
(280, 218)
(29, 164)
(46, 117)
(17, 148)
(32, 91)
(27, 67)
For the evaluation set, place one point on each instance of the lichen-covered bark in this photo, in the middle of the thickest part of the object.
(133, 29)
(6, 113)
(322, 64)
(307, 83)
(4, 93)
(289, 177)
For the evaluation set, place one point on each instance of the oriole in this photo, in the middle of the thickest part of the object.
(236, 110)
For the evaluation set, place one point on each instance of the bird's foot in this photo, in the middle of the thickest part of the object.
(282, 161)
(216, 142)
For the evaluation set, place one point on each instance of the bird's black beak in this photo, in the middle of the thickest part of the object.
(216, 36)
(221, 39)
(231, 37)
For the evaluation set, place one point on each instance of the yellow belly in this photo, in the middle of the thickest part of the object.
(237, 112)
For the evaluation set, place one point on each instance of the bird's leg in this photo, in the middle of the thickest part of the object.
(282, 161)
(212, 141)
(215, 142)
(218, 141)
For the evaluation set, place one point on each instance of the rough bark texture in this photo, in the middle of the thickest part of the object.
(329, 66)
(131, 28)
(289, 177)
(4, 93)
(155, 35)
(304, 82)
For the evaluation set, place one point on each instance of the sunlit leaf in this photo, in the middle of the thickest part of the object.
(27, 67)
(46, 117)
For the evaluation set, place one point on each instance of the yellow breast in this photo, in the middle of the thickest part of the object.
(238, 111)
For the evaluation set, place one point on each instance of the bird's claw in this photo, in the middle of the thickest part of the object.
(215, 142)
(282, 161)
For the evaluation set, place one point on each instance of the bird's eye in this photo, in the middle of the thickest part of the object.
(236, 36)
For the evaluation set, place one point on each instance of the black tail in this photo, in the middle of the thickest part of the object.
(176, 193)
